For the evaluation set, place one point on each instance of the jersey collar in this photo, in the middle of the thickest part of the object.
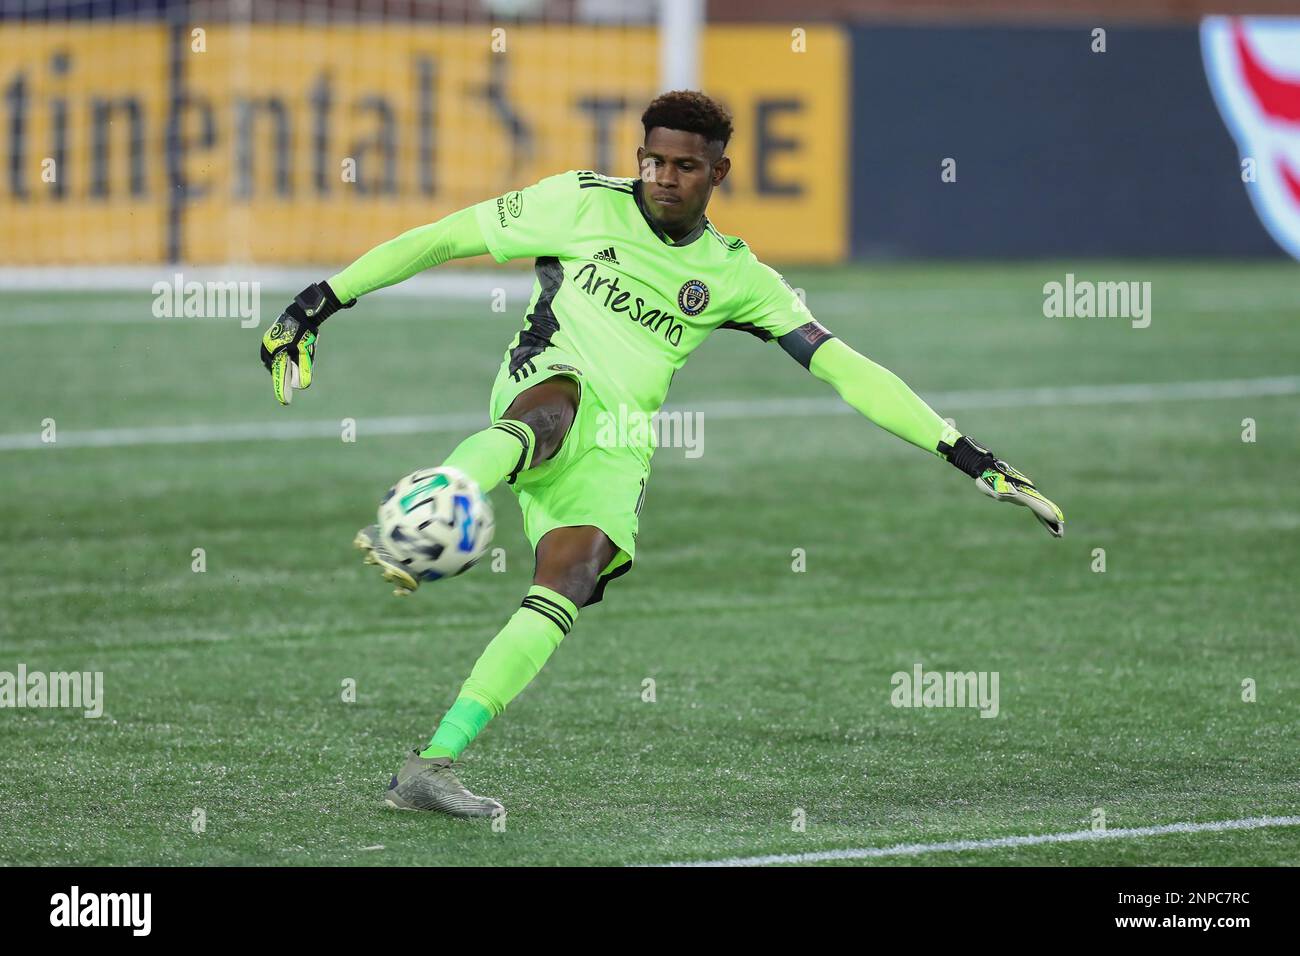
(686, 240)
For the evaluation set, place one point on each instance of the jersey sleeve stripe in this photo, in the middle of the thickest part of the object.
(732, 244)
(617, 189)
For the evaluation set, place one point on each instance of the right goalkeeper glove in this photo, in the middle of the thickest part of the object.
(1001, 482)
(289, 346)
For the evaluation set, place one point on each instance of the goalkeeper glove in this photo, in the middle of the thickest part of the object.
(289, 346)
(1001, 482)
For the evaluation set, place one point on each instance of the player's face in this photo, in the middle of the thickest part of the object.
(679, 171)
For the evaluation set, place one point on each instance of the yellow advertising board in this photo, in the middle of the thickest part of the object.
(277, 144)
(83, 177)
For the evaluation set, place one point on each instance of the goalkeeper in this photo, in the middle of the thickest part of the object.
(631, 276)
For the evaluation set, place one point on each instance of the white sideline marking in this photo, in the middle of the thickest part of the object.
(470, 286)
(957, 846)
(734, 408)
(116, 313)
(1003, 301)
(277, 286)
(475, 283)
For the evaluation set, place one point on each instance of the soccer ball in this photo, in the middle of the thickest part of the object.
(436, 523)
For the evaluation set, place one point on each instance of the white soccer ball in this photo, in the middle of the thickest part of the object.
(436, 523)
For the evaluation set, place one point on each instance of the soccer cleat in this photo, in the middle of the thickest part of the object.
(1003, 483)
(368, 540)
(428, 783)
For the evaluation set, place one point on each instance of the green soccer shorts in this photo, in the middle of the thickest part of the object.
(587, 481)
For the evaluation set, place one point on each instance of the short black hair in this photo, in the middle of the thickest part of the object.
(691, 112)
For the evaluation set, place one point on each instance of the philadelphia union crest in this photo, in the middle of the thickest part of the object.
(693, 297)
(1254, 69)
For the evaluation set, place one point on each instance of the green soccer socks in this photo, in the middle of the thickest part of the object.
(497, 453)
(507, 665)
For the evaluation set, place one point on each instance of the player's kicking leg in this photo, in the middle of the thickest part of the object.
(529, 433)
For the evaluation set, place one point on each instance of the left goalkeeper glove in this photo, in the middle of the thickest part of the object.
(1001, 482)
(289, 346)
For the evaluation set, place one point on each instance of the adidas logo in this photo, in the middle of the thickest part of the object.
(606, 255)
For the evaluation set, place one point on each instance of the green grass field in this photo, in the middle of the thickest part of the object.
(1119, 691)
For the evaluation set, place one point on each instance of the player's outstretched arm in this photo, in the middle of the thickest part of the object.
(883, 397)
(289, 346)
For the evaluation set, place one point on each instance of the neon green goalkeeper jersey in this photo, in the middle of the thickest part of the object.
(618, 293)
(631, 304)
